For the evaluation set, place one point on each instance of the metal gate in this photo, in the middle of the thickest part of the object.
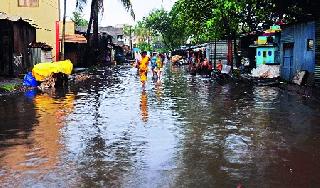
(221, 51)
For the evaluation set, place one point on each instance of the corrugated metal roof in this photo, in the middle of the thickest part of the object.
(110, 30)
(4, 16)
(75, 38)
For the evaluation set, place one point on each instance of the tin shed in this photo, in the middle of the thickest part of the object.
(297, 49)
(15, 36)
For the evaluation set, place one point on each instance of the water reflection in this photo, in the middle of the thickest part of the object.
(158, 91)
(144, 106)
(234, 132)
(39, 152)
(187, 131)
(265, 98)
(17, 117)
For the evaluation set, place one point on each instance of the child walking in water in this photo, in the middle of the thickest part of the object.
(143, 68)
(153, 64)
(159, 68)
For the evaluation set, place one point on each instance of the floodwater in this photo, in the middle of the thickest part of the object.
(183, 132)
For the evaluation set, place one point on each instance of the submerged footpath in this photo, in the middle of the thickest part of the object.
(14, 85)
(10, 86)
(306, 89)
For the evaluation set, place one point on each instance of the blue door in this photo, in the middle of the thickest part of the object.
(287, 67)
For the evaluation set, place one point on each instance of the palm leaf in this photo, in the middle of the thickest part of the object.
(126, 3)
(128, 6)
(80, 4)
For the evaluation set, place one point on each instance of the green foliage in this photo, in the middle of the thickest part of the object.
(226, 17)
(168, 25)
(80, 4)
(194, 15)
(78, 19)
(96, 7)
(203, 21)
(145, 47)
(162, 50)
(127, 30)
(142, 31)
(9, 87)
(128, 6)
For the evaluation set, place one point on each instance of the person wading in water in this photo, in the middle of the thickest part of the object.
(154, 64)
(143, 68)
(159, 68)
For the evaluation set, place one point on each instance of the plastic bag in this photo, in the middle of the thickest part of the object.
(43, 70)
(29, 80)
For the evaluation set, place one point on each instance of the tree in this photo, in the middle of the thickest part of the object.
(142, 31)
(168, 25)
(194, 16)
(96, 8)
(212, 19)
(143, 46)
(78, 19)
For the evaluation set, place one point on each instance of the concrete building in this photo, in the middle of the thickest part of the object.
(116, 33)
(43, 13)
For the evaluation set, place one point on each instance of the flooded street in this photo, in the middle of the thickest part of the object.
(183, 132)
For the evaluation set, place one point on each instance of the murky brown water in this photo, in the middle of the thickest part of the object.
(184, 132)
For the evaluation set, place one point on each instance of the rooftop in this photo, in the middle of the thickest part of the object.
(75, 38)
(4, 16)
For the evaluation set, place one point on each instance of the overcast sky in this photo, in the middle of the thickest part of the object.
(114, 13)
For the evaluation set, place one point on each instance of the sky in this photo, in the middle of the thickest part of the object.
(114, 13)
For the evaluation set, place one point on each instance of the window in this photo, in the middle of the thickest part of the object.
(264, 53)
(120, 38)
(269, 53)
(310, 45)
(28, 3)
(259, 53)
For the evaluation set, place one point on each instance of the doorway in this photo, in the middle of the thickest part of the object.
(287, 68)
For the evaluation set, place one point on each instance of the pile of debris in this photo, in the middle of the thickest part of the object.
(176, 58)
(266, 71)
(302, 78)
(47, 83)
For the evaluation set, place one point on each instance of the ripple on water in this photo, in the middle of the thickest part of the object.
(185, 131)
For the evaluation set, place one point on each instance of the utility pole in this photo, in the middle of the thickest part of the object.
(131, 48)
(215, 54)
(95, 24)
(63, 28)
